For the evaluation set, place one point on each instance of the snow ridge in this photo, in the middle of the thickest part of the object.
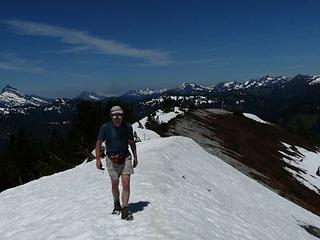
(179, 191)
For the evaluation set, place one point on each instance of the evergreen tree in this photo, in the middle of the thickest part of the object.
(23, 153)
(9, 176)
(151, 122)
(167, 105)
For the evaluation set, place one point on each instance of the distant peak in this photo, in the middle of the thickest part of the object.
(147, 91)
(90, 95)
(267, 77)
(186, 84)
(9, 88)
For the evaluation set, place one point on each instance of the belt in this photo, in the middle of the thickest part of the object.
(116, 158)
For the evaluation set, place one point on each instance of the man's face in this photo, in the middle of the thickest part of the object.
(117, 119)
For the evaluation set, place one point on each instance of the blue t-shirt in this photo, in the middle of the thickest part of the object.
(116, 138)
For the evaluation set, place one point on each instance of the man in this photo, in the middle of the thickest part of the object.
(117, 134)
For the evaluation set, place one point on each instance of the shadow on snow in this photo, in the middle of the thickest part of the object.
(138, 206)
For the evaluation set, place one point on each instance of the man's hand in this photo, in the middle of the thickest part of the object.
(134, 152)
(99, 164)
(135, 162)
(98, 150)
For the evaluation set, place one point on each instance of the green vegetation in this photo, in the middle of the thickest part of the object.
(167, 105)
(304, 125)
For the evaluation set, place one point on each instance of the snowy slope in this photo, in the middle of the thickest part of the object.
(164, 117)
(304, 166)
(179, 191)
(254, 117)
(142, 132)
(161, 117)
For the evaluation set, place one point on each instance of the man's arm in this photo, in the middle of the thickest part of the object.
(98, 151)
(134, 152)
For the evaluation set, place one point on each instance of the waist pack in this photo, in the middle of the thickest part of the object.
(117, 158)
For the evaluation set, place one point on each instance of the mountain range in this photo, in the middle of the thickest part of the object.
(293, 103)
(11, 97)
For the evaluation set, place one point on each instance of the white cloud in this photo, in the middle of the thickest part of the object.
(84, 41)
(80, 75)
(9, 61)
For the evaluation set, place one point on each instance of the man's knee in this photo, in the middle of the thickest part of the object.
(115, 183)
(125, 183)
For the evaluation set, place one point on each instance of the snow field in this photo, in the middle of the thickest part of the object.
(178, 191)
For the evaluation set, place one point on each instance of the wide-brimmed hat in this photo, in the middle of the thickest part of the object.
(116, 110)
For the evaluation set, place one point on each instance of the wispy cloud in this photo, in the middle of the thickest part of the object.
(75, 49)
(9, 61)
(80, 75)
(185, 62)
(85, 41)
(196, 61)
(176, 62)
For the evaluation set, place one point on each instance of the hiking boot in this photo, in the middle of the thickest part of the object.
(117, 208)
(126, 214)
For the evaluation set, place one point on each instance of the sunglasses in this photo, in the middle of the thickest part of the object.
(117, 116)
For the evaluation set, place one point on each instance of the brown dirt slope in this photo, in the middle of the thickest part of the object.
(251, 147)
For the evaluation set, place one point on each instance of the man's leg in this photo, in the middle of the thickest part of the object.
(115, 189)
(115, 192)
(125, 213)
(125, 180)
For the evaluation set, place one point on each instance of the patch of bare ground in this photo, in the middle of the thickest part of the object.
(312, 230)
(251, 147)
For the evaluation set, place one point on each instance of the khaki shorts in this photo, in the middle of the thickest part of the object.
(116, 170)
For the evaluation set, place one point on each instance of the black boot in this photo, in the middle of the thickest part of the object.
(126, 214)
(117, 208)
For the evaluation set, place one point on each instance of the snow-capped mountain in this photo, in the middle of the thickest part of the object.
(92, 96)
(304, 86)
(192, 86)
(137, 95)
(189, 89)
(60, 105)
(267, 81)
(11, 97)
(227, 94)
(314, 80)
(144, 92)
(227, 86)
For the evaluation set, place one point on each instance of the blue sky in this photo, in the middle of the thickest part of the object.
(60, 48)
